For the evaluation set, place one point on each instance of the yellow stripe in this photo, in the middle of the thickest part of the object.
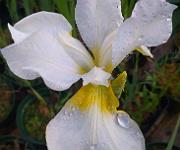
(90, 94)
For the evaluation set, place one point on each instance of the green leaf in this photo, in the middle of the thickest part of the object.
(46, 5)
(176, 2)
(12, 8)
(29, 6)
(127, 7)
(173, 137)
(176, 20)
(119, 83)
(62, 7)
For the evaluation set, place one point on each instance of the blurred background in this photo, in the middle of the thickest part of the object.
(151, 95)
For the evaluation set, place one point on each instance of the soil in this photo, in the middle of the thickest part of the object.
(14, 145)
(36, 120)
(5, 100)
(37, 116)
(162, 129)
(160, 148)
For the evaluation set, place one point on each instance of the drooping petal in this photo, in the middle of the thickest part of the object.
(150, 25)
(56, 25)
(17, 36)
(50, 22)
(96, 19)
(95, 127)
(45, 57)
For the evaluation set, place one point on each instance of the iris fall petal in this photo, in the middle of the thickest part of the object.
(94, 128)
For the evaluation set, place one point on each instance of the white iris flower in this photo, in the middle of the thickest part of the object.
(43, 47)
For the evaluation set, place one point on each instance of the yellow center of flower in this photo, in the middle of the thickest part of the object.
(90, 95)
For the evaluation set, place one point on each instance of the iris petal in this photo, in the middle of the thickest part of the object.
(96, 19)
(150, 25)
(96, 127)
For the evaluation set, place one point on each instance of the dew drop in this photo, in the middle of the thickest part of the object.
(65, 113)
(70, 114)
(123, 119)
(168, 19)
(93, 147)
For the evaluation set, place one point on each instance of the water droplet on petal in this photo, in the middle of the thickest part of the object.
(168, 19)
(93, 147)
(70, 114)
(65, 112)
(123, 119)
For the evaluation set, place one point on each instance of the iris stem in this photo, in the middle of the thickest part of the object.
(38, 96)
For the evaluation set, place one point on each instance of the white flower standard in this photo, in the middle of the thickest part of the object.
(43, 47)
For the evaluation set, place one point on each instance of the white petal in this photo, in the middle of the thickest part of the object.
(45, 57)
(105, 55)
(77, 51)
(16, 35)
(96, 76)
(150, 25)
(96, 19)
(53, 23)
(145, 51)
(50, 22)
(93, 130)
(59, 28)
(148, 10)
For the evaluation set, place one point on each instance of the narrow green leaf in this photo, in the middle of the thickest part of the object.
(127, 7)
(12, 8)
(29, 6)
(119, 83)
(62, 7)
(176, 20)
(173, 136)
(46, 5)
(176, 2)
(72, 5)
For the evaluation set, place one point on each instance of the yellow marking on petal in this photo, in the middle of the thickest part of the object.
(90, 95)
(98, 60)
(82, 70)
(109, 68)
(119, 83)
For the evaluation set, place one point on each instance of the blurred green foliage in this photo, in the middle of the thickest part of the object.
(141, 98)
(176, 16)
(19, 9)
(176, 2)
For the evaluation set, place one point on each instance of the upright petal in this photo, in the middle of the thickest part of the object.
(96, 19)
(150, 25)
(45, 57)
(94, 127)
(56, 25)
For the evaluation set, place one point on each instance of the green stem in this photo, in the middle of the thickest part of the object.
(39, 97)
(173, 137)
